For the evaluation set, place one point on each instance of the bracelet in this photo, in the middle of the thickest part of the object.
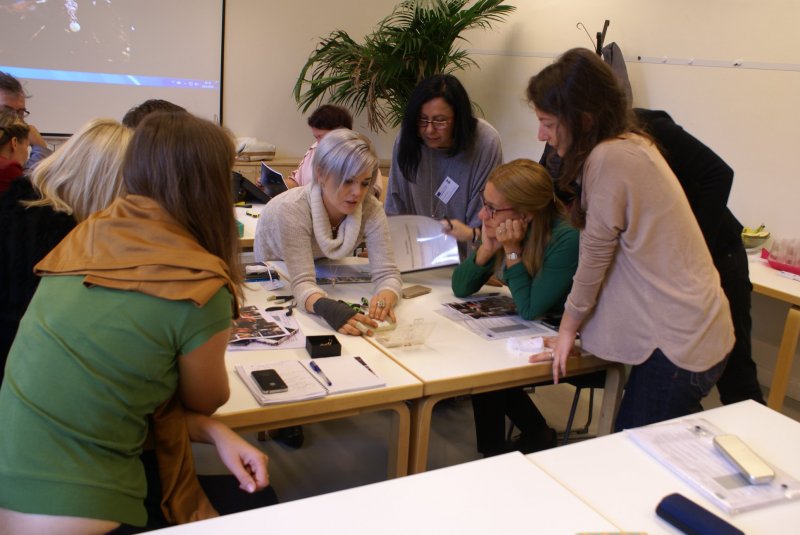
(474, 235)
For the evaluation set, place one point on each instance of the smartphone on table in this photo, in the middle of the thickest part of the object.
(269, 381)
(415, 291)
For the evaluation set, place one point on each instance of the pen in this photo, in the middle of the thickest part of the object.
(449, 222)
(243, 205)
(251, 214)
(359, 359)
(321, 373)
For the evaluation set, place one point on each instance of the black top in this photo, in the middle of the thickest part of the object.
(705, 177)
(27, 235)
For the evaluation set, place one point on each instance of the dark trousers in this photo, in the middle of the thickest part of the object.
(490, 410)
(658, 390)
(739, 381)
(223, 492)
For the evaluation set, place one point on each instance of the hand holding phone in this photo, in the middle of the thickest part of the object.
(269, 381)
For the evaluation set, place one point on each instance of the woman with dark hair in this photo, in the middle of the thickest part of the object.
(13, 148)
(646, 292)
(443, 154)
(131, 315)
(323, 120)
(529, 245)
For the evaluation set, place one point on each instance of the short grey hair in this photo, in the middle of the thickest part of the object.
(343, 154)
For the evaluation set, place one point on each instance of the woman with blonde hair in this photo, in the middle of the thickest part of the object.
(528, 244)
(13, 147)
(329, 218)
(83, 176)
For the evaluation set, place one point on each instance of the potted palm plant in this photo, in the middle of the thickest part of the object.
(420, 38)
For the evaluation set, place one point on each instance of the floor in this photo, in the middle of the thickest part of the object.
(350, 452)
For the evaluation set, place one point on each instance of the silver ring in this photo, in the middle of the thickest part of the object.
(381, 303)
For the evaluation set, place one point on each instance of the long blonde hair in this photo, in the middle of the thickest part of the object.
(84, 175)
(528, 188)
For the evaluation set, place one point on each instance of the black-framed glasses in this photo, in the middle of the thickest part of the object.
(438, 124)
(21, 113)
(491, 209)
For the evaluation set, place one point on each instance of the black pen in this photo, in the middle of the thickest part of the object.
(359, 359)
(449, 222)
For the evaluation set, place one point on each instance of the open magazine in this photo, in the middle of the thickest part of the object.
(256, 330)
(494, 317)
(418, 243)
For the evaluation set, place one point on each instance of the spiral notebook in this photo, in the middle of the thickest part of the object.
(347, 374)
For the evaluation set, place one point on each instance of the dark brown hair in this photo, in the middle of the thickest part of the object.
(136, 114)
(185, 163)
(330, 117)
(589, 102)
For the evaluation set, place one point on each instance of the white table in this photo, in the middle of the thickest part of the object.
(455, 361)
(244, 414)
(766, 281)
(616, 477)
(505, 494)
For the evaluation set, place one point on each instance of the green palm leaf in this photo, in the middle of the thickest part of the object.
(418, 39)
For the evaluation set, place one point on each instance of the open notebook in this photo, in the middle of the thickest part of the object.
(346, 374)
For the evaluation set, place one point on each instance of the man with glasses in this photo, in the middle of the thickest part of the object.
(12, 98)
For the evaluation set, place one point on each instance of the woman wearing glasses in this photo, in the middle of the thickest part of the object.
(528, 244)
(443, 154)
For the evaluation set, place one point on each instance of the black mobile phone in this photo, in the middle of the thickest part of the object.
(269, 381)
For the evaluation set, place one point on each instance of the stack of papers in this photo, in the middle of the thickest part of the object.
(493, 318)
(257, 329)
(346, 374)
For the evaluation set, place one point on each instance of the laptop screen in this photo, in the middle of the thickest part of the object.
(272, 181)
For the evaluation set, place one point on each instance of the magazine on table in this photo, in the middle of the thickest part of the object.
(256, 329)
(494, 317)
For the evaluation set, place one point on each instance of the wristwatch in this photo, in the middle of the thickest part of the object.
(513, 256)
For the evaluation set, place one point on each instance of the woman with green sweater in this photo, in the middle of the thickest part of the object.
(528, 244)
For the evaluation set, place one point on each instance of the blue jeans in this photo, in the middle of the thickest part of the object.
(658, 390)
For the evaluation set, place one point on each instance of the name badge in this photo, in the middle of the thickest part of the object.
(446, 190)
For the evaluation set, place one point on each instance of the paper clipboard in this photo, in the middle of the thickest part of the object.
(686, 447)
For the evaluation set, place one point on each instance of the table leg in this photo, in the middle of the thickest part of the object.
(421, 414)
(399, 439)
(612, 395)
(783, 365)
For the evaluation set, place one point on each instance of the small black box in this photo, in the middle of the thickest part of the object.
(325, 345)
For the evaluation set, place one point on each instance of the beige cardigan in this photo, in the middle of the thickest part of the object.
(645, 278)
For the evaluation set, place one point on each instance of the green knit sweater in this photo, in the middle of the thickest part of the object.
(545, 291)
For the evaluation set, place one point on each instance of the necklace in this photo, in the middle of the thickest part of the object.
(335, 228)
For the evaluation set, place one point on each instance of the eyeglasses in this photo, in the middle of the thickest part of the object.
(439, 124)
(491, 209)
(21, 113)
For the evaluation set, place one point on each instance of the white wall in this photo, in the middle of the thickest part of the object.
(748, 116)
